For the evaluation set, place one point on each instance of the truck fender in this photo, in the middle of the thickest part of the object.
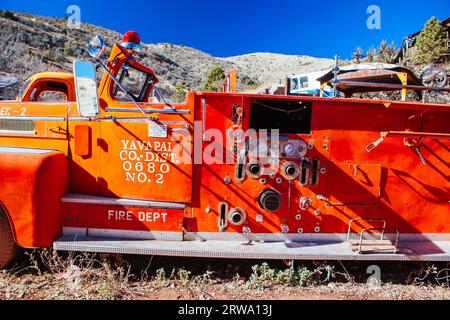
(32, 182)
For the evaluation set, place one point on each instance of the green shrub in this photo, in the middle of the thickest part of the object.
(8, 15)
(68, 51)
(215, 77)
(263, 276)
(179, 93)
(431, 42)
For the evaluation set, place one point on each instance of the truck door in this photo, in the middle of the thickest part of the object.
(146, 156)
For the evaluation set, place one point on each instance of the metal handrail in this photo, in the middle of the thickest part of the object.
(363, 219)
(162, 111)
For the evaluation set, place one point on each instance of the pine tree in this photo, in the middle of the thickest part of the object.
(370, 54)
(385, 52)
(179, 93)
(216, 75)
(430, 42)
(358, 55)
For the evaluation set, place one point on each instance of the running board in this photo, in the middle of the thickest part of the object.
(407, 251)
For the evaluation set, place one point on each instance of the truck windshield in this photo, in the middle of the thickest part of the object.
(136, 82)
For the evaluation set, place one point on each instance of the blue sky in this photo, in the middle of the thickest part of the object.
(231, 27)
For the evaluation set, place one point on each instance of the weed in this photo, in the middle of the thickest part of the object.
(161, 277)
(205, 278)
(183, 276)
(264, 276)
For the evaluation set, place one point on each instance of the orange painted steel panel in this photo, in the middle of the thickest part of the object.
(84, 171)
(31, 188)
(390, 183)
(74, 215)
(83, 140)
(47, 124)
(137, 165)
(138, 219)
(210, 188)
(116, 217)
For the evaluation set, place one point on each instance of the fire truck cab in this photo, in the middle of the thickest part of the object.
(225, 175)
(48, 87)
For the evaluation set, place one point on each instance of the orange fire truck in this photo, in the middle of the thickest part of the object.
(222, 175)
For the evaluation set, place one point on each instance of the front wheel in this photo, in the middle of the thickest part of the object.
(8, 247)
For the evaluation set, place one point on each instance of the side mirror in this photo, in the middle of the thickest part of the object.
(86, 88)
(96, 47)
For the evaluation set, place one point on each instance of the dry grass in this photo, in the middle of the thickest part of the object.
(45, 274)
(48, 275)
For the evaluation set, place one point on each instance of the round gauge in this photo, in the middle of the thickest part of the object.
(289, 149)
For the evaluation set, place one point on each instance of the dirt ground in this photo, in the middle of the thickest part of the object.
(47, 275)
(36, 289)
(325, 292)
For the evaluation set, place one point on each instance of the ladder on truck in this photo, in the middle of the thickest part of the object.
(375, 244)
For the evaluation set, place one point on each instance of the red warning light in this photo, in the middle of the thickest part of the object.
(132, 41)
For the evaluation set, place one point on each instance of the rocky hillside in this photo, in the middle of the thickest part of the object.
(32, 44)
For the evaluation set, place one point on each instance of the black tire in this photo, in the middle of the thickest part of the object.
(8, 247)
